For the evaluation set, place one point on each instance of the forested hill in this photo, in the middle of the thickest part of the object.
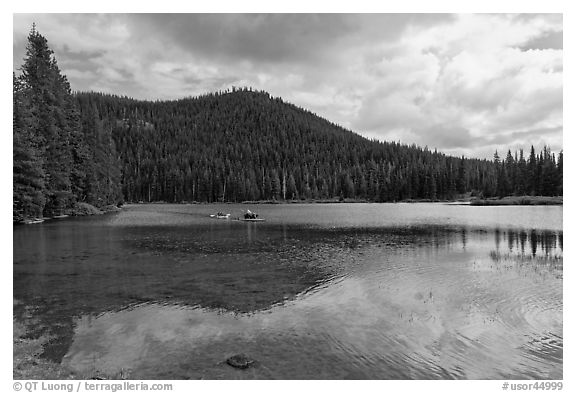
(228, 146)
(246, 145)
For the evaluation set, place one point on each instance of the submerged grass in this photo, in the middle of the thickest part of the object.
(550, 263)
(551, 259)
(28, 362)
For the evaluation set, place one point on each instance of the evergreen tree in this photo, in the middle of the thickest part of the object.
(54, 122)
(291, 191)
(560, 176)
(510, 174)
(57, 150)
(532, 179)
(522, 176)
(40, 74)
(28, 174)
(461, 183)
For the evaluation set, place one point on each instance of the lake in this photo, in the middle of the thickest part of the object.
(317, 291)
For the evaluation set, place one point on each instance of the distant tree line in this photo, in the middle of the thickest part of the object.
(245, 145)
(227, 146)
(539, 174)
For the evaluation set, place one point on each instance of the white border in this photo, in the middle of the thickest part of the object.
(299, 6)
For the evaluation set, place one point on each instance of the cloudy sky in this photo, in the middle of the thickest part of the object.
(465, 84)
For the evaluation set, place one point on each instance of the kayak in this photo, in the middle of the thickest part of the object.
(33, 221)
(61, 216)
(221, 217)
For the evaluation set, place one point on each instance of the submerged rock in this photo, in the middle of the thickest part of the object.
(240, 361)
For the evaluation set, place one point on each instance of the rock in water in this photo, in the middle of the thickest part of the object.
(240, 361)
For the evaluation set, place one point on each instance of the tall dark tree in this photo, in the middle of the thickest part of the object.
(560, 177)
(462, 180)
(28, 174)
(51, 153)
(533, 172)
(54, 123)
(522, 175)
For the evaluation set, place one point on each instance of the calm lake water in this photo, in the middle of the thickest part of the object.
(345, 291)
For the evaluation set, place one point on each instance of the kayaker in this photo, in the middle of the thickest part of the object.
(250, 215)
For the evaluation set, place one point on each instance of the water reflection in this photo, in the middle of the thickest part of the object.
(541, 242)
(532, 242)
(411, 301)
(392, 312)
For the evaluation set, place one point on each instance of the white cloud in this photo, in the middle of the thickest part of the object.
(469, 75)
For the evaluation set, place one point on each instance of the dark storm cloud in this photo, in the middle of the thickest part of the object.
(459, 140)
(527, 135)
(459, 137)
(549, 40)
(274, 38)
(194, 82)
(66, 53)
(268, 38)
(67, 59)
(82, 61)
(531, 17)
(450, 137)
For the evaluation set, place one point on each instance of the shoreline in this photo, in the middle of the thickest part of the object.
(297, 202)
(519, 201)
(471, 201)
(80, 209)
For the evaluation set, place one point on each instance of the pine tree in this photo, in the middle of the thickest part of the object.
(461, 182)
(510, 175)
(28, 175)
(53, 119)
(521, 173)
(532, 179)
(291, 191)
(559, 169)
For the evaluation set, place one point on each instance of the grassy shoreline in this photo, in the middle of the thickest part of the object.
(518, 201)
